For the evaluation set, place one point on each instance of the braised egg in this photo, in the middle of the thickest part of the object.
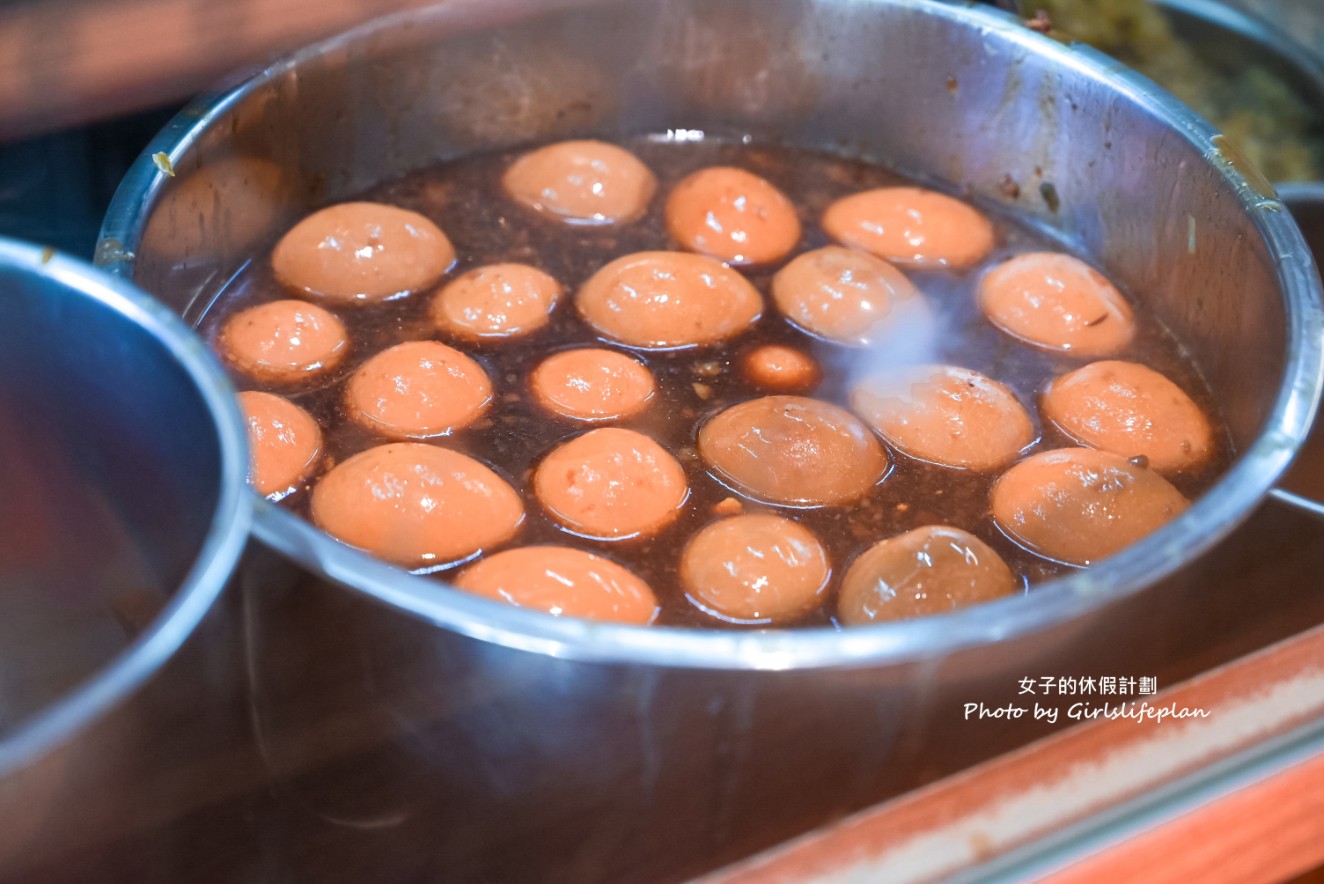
(849, 297)
(611, 484)
(362, 253)
(1130, 410)
(946, 415)
(416, 505)
(283, 342)
(911, 226)
(285, 442)
(668, 300)
(563, 582)
(582, 182)
(592, 384)
(756, 568)
(1078, 505)
(495, 302)
(793, 450)
(732, 215)
(930, 570)
(417, 390)
(1057, 302)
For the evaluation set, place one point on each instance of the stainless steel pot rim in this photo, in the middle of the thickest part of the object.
(217, 555)
(1211, 518)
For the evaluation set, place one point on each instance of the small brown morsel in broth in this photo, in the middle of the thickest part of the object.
(582, 182)
(911, 226)
(416, 505)
(592, 384)
(495, 302)
(929, 570)
(777, 368)
(732, 215)
(417, 390)
(667, 300)
(564, 582)
(1078, 505)
(946, 415)
(283, 342)
(758, 568)
(792, 450)
(728, 506)
(1057, 302)
(849, 297)
(1130, 410)
(362, 253)
(285, 440)
(611, 484)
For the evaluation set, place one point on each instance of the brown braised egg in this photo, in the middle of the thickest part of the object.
(592, 384)
(563, 582)
(930, 570)
(416, 505)
(1130, 410)
(668, 300)
(359, 253)
(1078, 505)
(732, 215)
(781, 369)
(946, 415)
(1057, 302)
(417, 390)
(911, 226)
(283, 342)
(495, 302)
(849, 297)
(286, 443)
(758, 568)
(611, 484)
(582, 182)
(794, 451)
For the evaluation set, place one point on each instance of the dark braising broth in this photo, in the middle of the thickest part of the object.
(465, 198)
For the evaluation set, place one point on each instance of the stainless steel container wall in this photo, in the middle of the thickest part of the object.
(456, 738)
(140, 430)
(1303, 486)
(1286, 43)
(1301, 21)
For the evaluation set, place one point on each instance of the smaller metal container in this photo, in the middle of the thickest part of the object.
(1270, 86)
(123, 510)
(1300, 21)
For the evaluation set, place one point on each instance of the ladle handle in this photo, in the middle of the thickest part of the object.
(1297, 501)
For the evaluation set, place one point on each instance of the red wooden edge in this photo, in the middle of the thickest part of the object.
(1268, 831)
(1263, 831)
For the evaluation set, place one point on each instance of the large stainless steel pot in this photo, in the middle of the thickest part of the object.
(122, 515)
(424, 733)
